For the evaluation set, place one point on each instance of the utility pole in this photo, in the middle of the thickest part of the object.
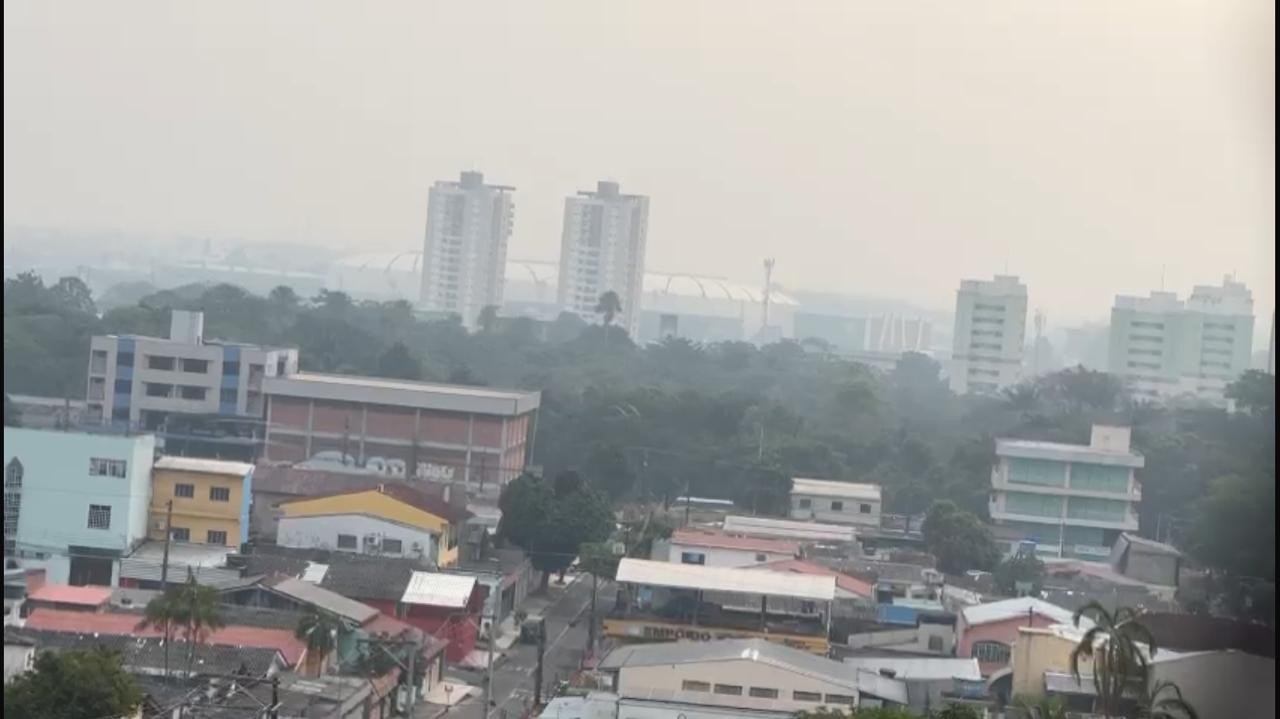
(414, 648)
(274, 711)
(488, 670)
(591, 628)
(168, 534)
(542, 650)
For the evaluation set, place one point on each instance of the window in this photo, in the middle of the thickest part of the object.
(99, 516)
(837, 506)
(124, 359)
(864, 509)
(346, 541)
(214, 536)
(154, 389)
(836, 699)
(13, 473)
(761, 557)
(764, 693)
(195, 366)
(190, 392)
(228, 396)
(693, 558)
(220, 494)
(160, 363)
(230, 369)
(806, 696)
(935, 644)
(991, 652)
(806, 503)
(124, 386)
(186, 491)
(99, 467)
(692, 686)
(180, 534)
(732, 690)
(392, 546)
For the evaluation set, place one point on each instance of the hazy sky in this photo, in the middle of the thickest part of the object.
(873, 147)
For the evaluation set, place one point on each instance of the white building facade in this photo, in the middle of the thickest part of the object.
(357, 534)
(138, 381)
(990, 334)
(1070, 500)
(1163, 347)
(823, 500)
(464, 254)
(602, 249)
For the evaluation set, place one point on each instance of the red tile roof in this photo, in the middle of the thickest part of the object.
(704, 538)
(857, 586)
(67, 594)
(125, 624)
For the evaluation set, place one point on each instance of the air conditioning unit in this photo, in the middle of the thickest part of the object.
(372, 542)
(416, 548)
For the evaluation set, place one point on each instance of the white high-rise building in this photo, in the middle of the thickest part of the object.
(602, 250)
(1165, 347)
(990, 334)
(464, 257)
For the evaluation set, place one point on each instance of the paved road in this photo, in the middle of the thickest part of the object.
(513, 675)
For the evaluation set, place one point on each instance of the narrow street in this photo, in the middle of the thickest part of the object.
(513, 672)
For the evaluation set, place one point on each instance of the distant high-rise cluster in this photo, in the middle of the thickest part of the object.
(464, 256)
(990, 334)
(1165, 347)
(469, 224)
(602, 250)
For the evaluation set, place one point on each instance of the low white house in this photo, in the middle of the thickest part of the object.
(356, 533)
(824, 500)
(718, 549)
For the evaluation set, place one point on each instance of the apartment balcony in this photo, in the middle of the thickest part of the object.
(998, 483)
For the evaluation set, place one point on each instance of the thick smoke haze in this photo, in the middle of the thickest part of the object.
(873, 148)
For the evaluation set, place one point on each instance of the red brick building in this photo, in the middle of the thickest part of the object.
(422, 429)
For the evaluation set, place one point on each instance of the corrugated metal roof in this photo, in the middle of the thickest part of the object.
(439, 590)
(206, 466)
(331, 602)
(919, 668)
(850, 584)
(724, 579)
(699, 538)
(1006, 609)
(789, 529)
(314, 572)
(721, 650)
(832, 488)
(67, 594)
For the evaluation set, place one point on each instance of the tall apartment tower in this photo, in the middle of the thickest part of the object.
(602, 250)
(464, 256)
(1164, 347)
(990, 334)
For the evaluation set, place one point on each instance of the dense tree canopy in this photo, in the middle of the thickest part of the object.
(73, 685)
(552, 518)
(727, 419)
(958, 539)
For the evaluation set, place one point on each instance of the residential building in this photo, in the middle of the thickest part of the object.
(391, 520)
(931, 682)
(661, 601)
(139, 381)
(933, 634)
(1147, 561)
(201, 501)
(602, 250)
(75, 502)
(423, 430)
(69, 598)
(506, 578)
(145, 567)
(749, 675)
(824, 500)
(718, 549)
(990, 334)
(277, 482)
(464, 255)
(1163, 347)
(986, 632)
(1070, 500)
(445, 606)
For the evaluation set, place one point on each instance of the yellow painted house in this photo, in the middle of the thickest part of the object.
(391, 520)
(210, 499)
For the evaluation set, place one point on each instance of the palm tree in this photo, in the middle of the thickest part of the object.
(609, 305)
(1119, 647)
(162, 614)
(320, 631)
(199, 611)
(1164, 701)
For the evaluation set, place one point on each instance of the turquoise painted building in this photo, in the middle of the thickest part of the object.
(74, 502)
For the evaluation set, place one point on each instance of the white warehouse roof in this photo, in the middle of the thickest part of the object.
(439, 590)
(832, 488)
(1014, 608)
(787, 529)
(725, 579)
(203, 466)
